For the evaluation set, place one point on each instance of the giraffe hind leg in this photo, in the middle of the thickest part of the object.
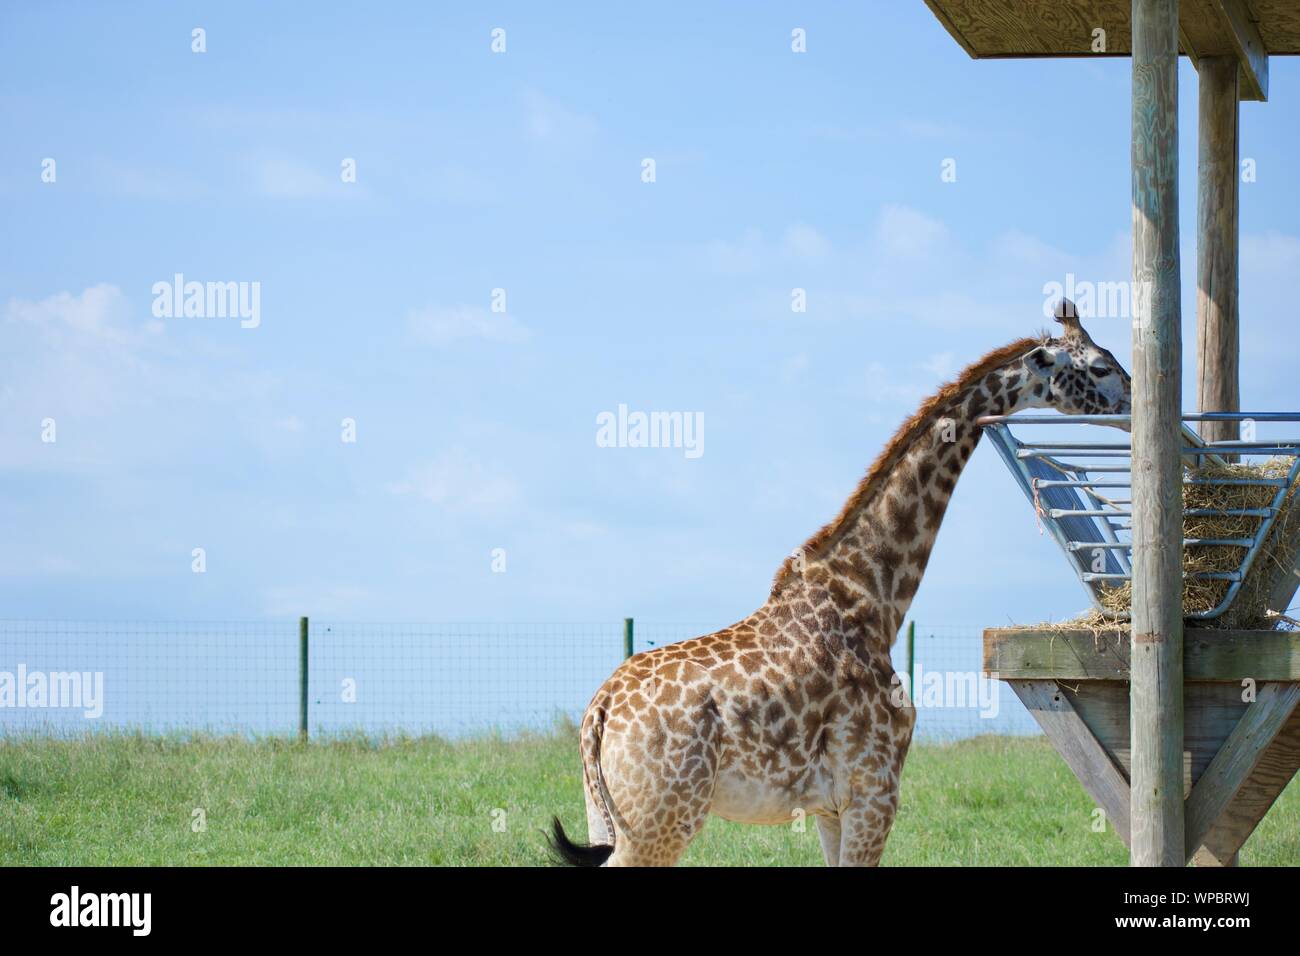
(661, 846)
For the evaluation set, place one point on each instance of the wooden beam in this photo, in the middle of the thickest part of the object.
(1275, 769)
(1084, 755)
(1252, 55)
(1156, 687)
(1085, 654)
(951, 27)
(1281, 572)
(1217, 388)
(1185, 43)
(1238, 758)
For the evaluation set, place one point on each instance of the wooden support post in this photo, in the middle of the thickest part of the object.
(1217, 217)
(1156, 815)
(1252, 56)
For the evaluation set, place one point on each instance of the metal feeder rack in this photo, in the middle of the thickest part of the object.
(1080, 491)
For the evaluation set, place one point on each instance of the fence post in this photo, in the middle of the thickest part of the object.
(911, 660)
(628, 649)
(302, 678)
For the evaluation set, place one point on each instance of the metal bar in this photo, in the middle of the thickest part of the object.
(1076, 445)
(1239, 416)
(1189, 575)
(1194, 512)
(302, 678)
(1277, 482)
(911, 660)
(1258, 448)
(1116, 419)
(1078, 483)
(1029, 453)
(1007, 446)
(1187, 543)
(628, 646)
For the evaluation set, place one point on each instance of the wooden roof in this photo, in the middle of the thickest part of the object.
(1031, 28)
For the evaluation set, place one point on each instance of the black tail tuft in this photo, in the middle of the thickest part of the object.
(575, 854)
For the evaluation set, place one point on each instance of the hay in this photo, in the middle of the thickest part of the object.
(1248, 608)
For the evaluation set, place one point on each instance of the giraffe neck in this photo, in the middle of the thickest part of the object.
(866, 565)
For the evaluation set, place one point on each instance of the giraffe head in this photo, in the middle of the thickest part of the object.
(1077, 376)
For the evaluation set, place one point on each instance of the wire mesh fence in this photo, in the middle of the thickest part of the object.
(69, 678)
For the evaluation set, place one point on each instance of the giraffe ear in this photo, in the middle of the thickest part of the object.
(1068, 315)
(1044, 361)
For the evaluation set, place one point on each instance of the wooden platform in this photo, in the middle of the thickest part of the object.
(1241, 722)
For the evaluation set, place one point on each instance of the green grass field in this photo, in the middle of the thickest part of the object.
(133, 801)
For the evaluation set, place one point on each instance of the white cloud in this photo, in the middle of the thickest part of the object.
(443, 326)
(751, 252)
(735, 257)
(548, 120)
(795, 367)
(93, 312)
(908, 233)
(324, 601)
(458, 483)
(940, 365)
(145, 181)
(456, 185)
(278, 177)
(1270, 252)
(880, 388)
(805, 242)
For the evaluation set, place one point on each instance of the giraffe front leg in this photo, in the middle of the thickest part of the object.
(864, 826)
(828, 830)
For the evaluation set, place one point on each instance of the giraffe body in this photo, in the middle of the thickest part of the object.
(797, 708)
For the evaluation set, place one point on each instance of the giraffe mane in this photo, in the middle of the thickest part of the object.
(903, 438)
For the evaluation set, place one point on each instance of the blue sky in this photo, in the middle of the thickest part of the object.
(522, 171)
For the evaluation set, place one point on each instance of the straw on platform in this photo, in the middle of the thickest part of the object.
(1248, 609)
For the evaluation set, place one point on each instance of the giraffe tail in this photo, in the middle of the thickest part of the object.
(584, 854)
(575, 854)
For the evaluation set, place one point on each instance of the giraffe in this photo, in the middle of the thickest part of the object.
(797, 707)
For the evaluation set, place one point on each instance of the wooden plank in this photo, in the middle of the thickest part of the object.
(1212, 711)
(1031, 27)
(1084, 655)
(1217, 388)
(1278, 567)
(1156, 658)
(1252, 55)
(1285, 576)
(1188, 48)
(1235, 824)
(1237, 759)
(1055, 28)
(1084, 755)
(937, 9)
(1279, 25)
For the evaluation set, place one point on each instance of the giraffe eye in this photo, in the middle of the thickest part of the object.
(1099, 369)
